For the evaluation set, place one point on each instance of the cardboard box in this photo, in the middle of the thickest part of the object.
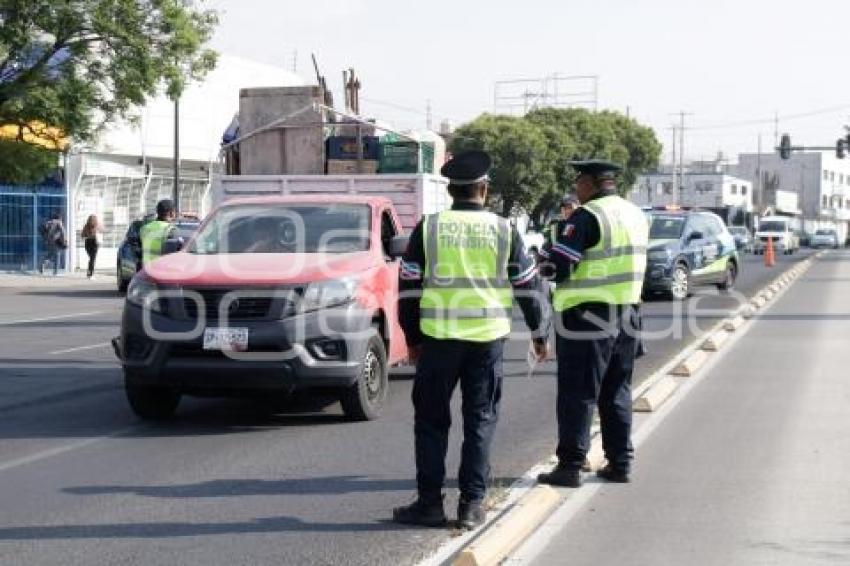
(349, 167)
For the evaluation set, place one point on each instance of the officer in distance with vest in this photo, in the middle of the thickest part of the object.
(457, 284)
(154, 234)
(599, 256)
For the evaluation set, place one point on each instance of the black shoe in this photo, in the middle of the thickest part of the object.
(470, 515)
(422, 513)
(562, 477)
(616, 475)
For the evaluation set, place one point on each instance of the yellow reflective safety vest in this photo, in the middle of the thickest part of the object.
(153, 236)
(466, 292)
(611, 271)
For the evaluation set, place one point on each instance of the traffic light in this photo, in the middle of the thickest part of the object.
(840, 149)
(785, 147)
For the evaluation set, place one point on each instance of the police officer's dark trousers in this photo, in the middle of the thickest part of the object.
(478, 367)
(596, 351)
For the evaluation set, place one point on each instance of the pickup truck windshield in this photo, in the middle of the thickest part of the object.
(772, 227)
(296, 228)
(666, 227)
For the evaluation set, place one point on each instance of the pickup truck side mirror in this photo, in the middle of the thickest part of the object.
(695, 235)
(172, 245)
(398, 245)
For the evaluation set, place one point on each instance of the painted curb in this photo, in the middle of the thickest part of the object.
(655, 397)
(509, 531)
(716, 340)
(758, 301)
(733, 324)
(691, 364)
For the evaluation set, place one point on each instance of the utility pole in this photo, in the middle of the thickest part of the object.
(675, 182)
(176, 154)
(681, 115)
(428, 115)
(775, 129)
(760, 199)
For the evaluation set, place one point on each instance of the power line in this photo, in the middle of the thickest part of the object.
(773, 120)
(396, 106)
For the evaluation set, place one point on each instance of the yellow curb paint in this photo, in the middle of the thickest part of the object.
(655, 396)
(508, 532)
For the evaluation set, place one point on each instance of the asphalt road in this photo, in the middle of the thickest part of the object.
(82, 481)
(751, 466)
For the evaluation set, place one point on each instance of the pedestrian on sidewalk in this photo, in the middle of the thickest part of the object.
(91, 234)
(599, 260)
(458, 280)
(55, 241)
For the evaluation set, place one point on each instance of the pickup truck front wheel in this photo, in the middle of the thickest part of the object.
(149, 402)
(365, 400)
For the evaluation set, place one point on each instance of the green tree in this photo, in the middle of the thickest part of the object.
(576, 133)
(78, 64)
(521, 171)
(23, 163)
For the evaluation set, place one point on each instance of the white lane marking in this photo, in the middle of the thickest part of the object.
(61, 449)
(48, 318)
(78, 349)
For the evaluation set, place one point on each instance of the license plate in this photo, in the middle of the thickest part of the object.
(235, 339)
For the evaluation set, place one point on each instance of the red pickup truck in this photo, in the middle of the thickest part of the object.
(272, 294)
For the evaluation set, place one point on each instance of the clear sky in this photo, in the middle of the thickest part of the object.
(724, 61)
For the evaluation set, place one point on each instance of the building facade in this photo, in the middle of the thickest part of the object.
(728, 196)
(820, 180)
(130, 168)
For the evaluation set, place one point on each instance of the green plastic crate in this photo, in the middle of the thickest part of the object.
(403, 157)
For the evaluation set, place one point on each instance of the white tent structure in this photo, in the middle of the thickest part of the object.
(130, 167)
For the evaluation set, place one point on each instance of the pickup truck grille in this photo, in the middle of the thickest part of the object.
(245, 307)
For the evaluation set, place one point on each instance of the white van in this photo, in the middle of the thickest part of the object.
(781, 231)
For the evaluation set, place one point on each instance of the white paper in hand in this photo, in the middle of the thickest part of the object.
(531, 358)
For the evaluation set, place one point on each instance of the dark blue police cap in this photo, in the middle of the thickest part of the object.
(467, 168)
(598, 168)
(570, 200)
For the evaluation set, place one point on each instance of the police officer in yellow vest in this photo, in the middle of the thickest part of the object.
(599, 257)
(458, 279)
(154, 234)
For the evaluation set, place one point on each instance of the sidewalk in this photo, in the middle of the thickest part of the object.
(47, 280)
(750, 467)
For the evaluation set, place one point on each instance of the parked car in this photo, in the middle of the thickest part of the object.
(271, 295)
(743, 238)
(825, 238)
(130, 250)
(689, 248)
(780, 230)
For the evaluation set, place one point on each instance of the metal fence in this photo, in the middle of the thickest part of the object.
(23, 210)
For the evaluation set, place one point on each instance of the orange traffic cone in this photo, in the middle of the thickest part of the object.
(769, 255)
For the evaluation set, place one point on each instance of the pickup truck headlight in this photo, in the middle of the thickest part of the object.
(327, 294)
(142, 292)
(660, 255)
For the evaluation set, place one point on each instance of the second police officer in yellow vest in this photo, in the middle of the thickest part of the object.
(458, 280)
(154, 234)
(600, 258)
